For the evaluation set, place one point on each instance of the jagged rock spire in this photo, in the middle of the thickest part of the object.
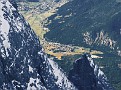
(87, 76)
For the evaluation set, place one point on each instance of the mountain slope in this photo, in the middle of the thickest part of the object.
(91, 23)
(24, 65)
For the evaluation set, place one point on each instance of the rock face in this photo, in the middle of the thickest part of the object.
(23, 64)
(87, 76)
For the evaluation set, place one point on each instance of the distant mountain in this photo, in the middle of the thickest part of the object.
(91, 23)
(23, 63)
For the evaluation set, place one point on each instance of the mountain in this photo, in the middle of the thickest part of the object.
(86, 75)
(23, 64)
(91, 23)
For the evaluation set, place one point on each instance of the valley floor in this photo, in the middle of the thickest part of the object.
(38, 19)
